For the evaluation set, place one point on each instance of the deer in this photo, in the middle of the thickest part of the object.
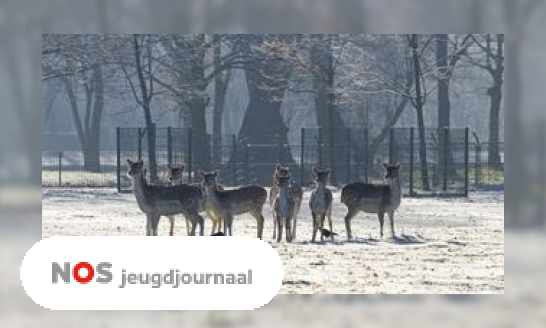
(295, 192)
(223, 205)
(320, 202)
(175, 176)
(157, 201)
(283, 208)
(377, 199)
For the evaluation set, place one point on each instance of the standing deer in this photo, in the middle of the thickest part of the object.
(283, 208)
(175, 176)
(157, 201)
(295, 192)
(321, 202)
(223, 205)
(376, 199)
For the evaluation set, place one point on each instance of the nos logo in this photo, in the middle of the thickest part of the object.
(102, 271)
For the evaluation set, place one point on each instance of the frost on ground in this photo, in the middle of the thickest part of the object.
(443, 246)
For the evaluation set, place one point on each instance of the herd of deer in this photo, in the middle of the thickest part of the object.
(285, 198)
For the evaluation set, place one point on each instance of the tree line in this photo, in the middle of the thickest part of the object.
(344, 75)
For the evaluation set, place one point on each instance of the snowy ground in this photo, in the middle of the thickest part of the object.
(444, 246)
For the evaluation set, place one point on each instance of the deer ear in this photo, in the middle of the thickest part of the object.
(215, 173)
(130, 162)
(315, 170)
(182, 167)
(397, 165)
(277, 166)
(202, 173)
(327, 171)
(385, 165)
(169, 166)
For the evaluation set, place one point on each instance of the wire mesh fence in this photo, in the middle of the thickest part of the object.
(434, 162)
(487, 168)
(67, 169)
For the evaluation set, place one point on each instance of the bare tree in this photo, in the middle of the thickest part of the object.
(446, 62)
(490, 57)
(221, 81)
(79, 66)
(418, 102)
(143, 88)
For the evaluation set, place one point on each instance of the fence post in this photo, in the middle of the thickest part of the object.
(366, 158)
(446, 149)
(169, 145)
(247, 149)
(190, 155)
(540, 217)
(391, 146)
(302, 155)
(412, 134)
(60, 168)
(118, 145)
(477, 160)
(477, 164)
(320, 146)
(348, 156)
(139, 144)
(234, 159)
(466, 131)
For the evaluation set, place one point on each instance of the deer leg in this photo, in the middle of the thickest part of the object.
(391, 221)
(229, 222)
(330, 222)
(315, 227)
(155, 222)
(295, 219)
(214, 224)
(201, 222)
(322, 218)
(279, 226)
(221, 222)
(274, 229)
(148, 224)
(257, 214)
(274, 224)
(288, 230)
(171, 222)
(187, 226)
(381, 216)
(350, 215)
(190, 217)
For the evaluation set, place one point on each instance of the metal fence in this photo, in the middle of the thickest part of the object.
(454, 162)
(487, 169)
(66, 169)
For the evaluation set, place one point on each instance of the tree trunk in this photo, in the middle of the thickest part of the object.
(445, 157)
(197, 105)
(88, 130)
(145, 104)
(220, 86)
(263, 124)
(418, 104)
(333, 128)
(495, 93)
(516, 177)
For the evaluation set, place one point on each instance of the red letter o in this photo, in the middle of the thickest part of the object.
(76, 272)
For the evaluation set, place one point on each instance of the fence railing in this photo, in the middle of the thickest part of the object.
(434, 161)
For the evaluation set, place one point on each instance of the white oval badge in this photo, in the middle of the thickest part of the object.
(159, 273)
